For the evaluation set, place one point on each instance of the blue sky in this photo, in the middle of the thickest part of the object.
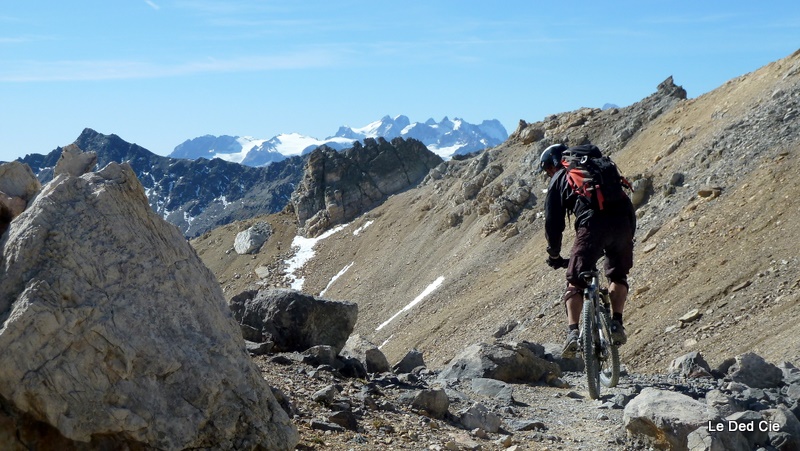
(158, 72)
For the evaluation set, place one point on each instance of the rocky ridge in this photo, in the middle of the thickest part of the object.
(337, 187)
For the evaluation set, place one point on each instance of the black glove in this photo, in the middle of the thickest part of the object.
(557, 262)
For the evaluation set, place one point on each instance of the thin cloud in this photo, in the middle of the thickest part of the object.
(129, 70)
(217, 7)
(17, 40)
(152, 5)
(690, 19)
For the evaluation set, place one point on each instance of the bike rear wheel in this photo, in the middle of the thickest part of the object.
(609, 363)
(588, 341)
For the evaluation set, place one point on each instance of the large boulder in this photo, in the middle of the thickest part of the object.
(114, 333)
(292, 320)
(666, 418)
(17, 180)
(251, 240)
(752, 370)
(507, 362)
(367, 353)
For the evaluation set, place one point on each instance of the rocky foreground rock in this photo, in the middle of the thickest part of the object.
(114, 334)
(508, 395)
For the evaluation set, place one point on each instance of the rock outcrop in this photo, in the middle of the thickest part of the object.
(115, 335)
(339, 186)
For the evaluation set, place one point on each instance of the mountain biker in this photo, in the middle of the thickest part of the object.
(597, 232)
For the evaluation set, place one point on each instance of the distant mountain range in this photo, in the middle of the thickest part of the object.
(196, 196)
(200, 195)
(444, 138)
(210, 181)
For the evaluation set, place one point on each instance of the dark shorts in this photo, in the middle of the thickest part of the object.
(611, 236)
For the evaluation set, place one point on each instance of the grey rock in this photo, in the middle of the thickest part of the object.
(506, 329)
(552, 353)
(259, 348)
(113, 326)
(701, 439)
(529, 133)
(748, 421)
(791, 374)
(371, 357)
(18, 186)
(479, 416)
(321, 355)
(294, 321)
(690, 316)
(413, 359)
(345, 419)
(666, 418)
(526, 425)
(493, 388)
(326, 426)
(723, 403)
(435, 402)
(691, 365)
(752, 370)
(788, 434)
(351, 367)
(641, 191)
(677, 179)
(250, 241)
(508, 362)
(325, 395)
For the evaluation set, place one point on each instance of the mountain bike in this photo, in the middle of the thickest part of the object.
(600, 353)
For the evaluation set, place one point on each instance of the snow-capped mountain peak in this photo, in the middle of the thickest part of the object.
(445, 138)
(387, 127)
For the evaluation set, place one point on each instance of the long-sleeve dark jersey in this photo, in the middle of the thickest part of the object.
(561, 199)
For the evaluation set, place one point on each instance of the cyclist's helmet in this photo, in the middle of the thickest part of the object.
(551, 156)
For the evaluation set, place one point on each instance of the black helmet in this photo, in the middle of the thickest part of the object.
(551, 156)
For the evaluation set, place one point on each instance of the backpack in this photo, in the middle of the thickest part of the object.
(594, 177)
